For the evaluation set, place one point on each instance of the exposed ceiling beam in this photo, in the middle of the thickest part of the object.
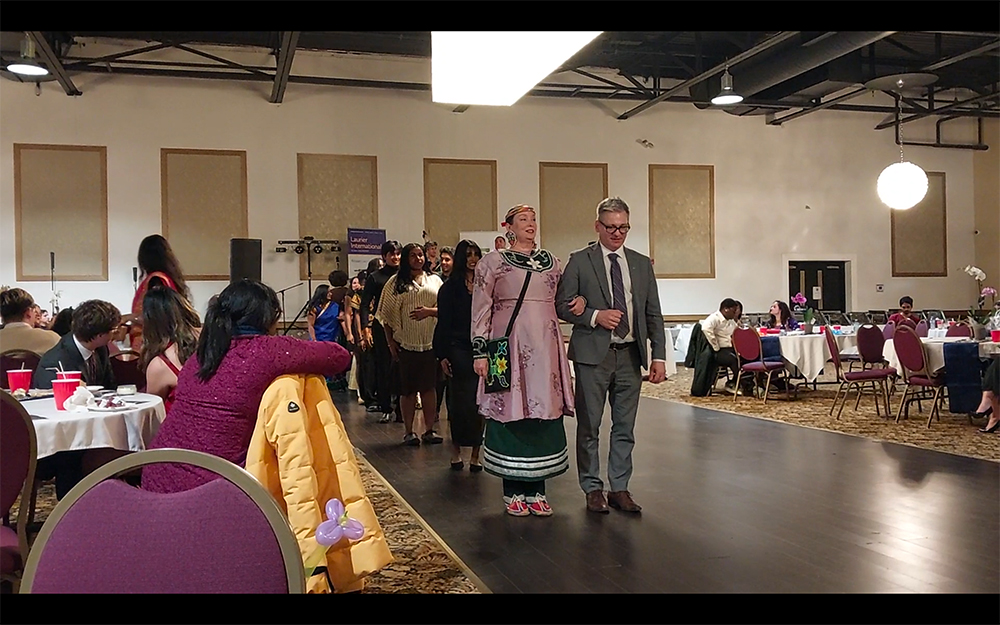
(289, 39)
(77, 62)
(225, 62)
(52, 61)
(962, 57)
(777, 121)
(607, 81)
(773, 41)
(904, 48)
(556, 90)
(939, 111)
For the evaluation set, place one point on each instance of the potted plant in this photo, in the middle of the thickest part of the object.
(799, 300)
(978, 317)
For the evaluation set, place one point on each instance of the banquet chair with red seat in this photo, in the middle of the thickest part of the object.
(858, 379)
(125, 366)
(913, 361)
(922, 329)
(225, 536)
(16, 359)
(747, 344)
(960, 329)
(18, 456)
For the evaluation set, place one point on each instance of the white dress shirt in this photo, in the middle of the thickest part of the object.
(86, 353)
(718, 330)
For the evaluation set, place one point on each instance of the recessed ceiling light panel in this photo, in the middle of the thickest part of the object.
(497, 68)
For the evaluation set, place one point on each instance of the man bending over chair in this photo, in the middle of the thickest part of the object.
(718, 329)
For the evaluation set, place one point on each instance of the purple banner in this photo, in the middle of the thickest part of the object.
(365, 241)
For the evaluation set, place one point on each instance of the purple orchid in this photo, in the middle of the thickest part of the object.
(338, 526)
(799, 299)
(988, 291)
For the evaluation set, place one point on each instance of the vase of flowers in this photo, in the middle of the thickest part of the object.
(799, 302)
(981, 318)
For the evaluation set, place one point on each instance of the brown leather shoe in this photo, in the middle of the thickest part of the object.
(622, 500)
(596, 502)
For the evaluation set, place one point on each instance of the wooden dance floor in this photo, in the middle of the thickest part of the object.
(731, 504)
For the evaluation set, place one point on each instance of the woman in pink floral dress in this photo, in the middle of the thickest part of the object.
(525, 442)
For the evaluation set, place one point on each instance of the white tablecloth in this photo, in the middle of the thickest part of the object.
(682, 342)
(934, 348)
(129, 430)
(807, 353)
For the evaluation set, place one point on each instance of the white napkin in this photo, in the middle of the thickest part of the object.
(79, 400)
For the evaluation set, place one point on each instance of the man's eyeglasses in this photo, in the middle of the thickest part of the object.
(612, 229)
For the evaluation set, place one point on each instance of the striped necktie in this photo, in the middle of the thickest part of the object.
(618, 296)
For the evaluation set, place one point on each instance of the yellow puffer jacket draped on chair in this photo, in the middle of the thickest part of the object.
(300, 452)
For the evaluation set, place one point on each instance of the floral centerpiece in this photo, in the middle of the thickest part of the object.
(800, 305)
(978, 313)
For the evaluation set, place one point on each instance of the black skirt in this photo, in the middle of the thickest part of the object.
(463, 412)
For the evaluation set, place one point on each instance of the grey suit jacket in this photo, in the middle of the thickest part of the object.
(585, 275)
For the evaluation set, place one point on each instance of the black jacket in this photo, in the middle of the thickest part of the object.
(701, 357)
(67, 353)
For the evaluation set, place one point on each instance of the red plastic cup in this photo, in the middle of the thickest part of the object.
(994, 336)
(62, 390)
(19, 379)
(68, 375)
(822, 329)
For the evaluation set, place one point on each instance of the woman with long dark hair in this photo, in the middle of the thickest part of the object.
(322, 315)
(170, 329)
(453, 347)
(407, 312)
(781, 317)
(219, 389)
(157, 265)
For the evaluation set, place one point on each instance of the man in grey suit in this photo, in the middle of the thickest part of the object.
(608, 347)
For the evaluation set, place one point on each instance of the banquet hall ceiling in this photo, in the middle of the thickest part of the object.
(783, 75)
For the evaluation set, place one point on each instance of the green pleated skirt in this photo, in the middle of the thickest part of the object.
(530, 450)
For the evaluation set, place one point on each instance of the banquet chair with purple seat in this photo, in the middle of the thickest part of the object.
(225, 536)
(913, 362)
(747, 344)
(16, 359)
(888, 330)
(125, 366)
(922, 329)
(960, 329)
(871, 344)
(18, 455)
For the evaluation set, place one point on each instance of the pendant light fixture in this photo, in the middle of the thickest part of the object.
(27, 65)
(727, 96)
(901, 185)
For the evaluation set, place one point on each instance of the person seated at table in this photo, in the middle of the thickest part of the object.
(905, 314)
(989, 406)
(85, 348)
(220, 387)
(781, 317)
(62, 323)
(18, 331)
(170, 329)
(718, 329)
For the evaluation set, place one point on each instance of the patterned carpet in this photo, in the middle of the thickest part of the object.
(953, 433)
(422, 564)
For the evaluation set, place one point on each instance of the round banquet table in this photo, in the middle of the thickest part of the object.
(130, 429)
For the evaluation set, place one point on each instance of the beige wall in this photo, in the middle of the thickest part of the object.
(765, 177)
(986, 181)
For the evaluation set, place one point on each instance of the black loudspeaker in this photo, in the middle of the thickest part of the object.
(244, 259)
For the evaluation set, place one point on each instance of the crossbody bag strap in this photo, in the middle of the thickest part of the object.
(517, 307)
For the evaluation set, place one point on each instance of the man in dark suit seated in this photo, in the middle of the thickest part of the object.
(85, 348)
